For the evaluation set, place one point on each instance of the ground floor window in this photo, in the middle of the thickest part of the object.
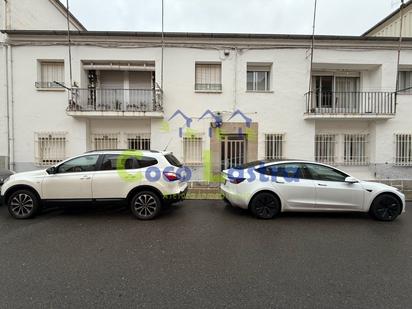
(325, 148)
(355, 149)
(138, 141)
(192, 150)
(403, 149)
(105, 141)
(50, 148)
(274, 149)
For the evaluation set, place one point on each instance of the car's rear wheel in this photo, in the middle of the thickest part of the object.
(23, 204)
(386, 207)
(265, 205)
(145, 205)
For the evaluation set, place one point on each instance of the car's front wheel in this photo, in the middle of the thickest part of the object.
(265, 205)
(386, 207)
(23, 204)
(145, 205)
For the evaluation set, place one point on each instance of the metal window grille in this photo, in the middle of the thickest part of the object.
(403, 149)
(192, 150)
(138, 141)
(208, 77)
(50, 148)
(274, 146)
(325, 148)
(105, 141)
(49, 73)
(355, 149)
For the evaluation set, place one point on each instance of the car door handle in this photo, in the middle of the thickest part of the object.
(85, 177)
(280, 182)
(322, 185)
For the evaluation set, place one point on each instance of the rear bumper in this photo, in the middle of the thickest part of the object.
(234, 198)
(178, 197)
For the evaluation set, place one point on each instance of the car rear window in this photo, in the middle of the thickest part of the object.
(146, 162)
(173, 160)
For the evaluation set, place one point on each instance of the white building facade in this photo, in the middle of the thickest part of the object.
(245, 98)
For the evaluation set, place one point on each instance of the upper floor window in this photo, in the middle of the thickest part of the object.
(258, 77)
(50, 148)
(405, 82)
(335, 91)
(49, 73)
(208, 77)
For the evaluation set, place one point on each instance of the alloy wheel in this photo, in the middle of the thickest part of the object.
(22, 205)
(387, 208)
(145, 205)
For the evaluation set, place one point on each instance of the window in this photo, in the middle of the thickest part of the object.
(289, 170)
(208, 77)
(335, 91)
(138, 141)
(405, 82)
(173, 160)
(80, 164)
(192, 150)
(325, 148)
(403, 149)
(50, 72)
(258, 77)
(274, 146)
(105, 141)
(146, 162)
(110, 162)
(50, 148)
(355, 149)
(320, 172)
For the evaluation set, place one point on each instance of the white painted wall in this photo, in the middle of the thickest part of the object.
(279, 111)
(33, 15)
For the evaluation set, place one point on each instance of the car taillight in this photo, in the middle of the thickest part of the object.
(236, 181)
(171, 176)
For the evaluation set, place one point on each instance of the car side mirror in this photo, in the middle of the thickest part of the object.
(351, 180)
(51, 170)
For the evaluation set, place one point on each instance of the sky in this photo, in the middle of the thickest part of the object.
(339, 17)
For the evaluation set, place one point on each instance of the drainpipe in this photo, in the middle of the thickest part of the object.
(6, 93)
(10, 107)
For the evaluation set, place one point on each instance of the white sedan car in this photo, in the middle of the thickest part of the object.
(146, 180)
(268, 188)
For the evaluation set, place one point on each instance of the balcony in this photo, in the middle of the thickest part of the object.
(114, 103)
(350, 105)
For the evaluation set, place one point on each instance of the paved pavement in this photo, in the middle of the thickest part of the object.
(204, 254)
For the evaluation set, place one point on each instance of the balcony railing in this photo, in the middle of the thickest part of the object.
(350, 103)
(116, 100)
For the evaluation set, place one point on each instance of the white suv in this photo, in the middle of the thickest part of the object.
(145, 179)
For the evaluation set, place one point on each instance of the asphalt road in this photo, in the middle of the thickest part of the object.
(204, 254)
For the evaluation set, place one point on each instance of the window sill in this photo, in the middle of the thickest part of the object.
(51, 89)
(208, 91)
(260, 91)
